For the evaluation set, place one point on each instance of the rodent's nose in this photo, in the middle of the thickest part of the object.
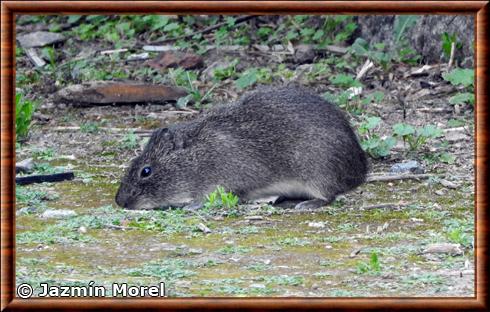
(121, 200)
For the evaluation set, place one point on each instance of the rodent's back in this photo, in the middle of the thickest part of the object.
(290, 131)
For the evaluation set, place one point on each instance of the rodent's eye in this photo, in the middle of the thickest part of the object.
(146, 172)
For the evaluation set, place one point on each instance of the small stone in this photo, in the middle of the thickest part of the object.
(39, 39)
(316, 224)
(82, 230)
(355, 252)
(203, 228)
(24, 166)
(407, 166)
(448, 184)
(195, 251)
(254, 218)
(444, 248)
(328, 247)
(304, 54)
(58, 214)
(440, 192)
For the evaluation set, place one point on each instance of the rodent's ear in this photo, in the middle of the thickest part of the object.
(158, 137)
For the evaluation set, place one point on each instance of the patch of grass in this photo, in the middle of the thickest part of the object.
(28, 196)
(52, 234)
(89, 127)
(44, 154)
(294, 241)
(283, 280)
(129, 141)
(423, 280)
(258, 267)
(235, 249)
(167, 270)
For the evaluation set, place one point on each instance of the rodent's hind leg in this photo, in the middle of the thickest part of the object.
(311, 204)
(193, 206)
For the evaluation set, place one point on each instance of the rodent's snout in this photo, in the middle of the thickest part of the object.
(122, 198)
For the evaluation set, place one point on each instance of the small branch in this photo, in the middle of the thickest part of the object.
(34, 57)
(384, 206)
(451, 58)
(57, 177)
(395, 177)
(367, 65)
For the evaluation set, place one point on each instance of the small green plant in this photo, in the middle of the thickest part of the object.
(187, 80)
(247, 79)
(464, 78)
(219, 198)
(23, 116)
(345, 81)
(371, 142)
(416, 137)
(371, 267)
(222, 73)
(49, 53)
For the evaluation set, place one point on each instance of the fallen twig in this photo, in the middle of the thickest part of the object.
(451, 58)
(367, 65)
(394, 177)
(116, 130)
(383, 206)
(56, 177)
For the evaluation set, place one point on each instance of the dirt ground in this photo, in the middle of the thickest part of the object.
(373, 241)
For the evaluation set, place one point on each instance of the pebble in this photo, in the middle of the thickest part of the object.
(316, 224)
(58, 214)
(412, 166)
(39, 39)
(444, 248)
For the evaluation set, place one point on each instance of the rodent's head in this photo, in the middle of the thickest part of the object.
(155, 178)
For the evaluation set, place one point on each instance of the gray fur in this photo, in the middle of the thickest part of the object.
(282, 141)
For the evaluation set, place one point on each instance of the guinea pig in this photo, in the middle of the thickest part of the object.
(285, 141)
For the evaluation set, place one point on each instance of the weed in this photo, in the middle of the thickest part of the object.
(222, 73)
(371, 267)
(219, 198)
(24, 109)
(371, 142)
(416, 137)
(345, 81)
(247, 79)
(129, 141)
(464, 78)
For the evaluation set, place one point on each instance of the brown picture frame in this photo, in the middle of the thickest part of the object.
(479, 9)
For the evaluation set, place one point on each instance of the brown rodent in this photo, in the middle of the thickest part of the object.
(284, 141)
